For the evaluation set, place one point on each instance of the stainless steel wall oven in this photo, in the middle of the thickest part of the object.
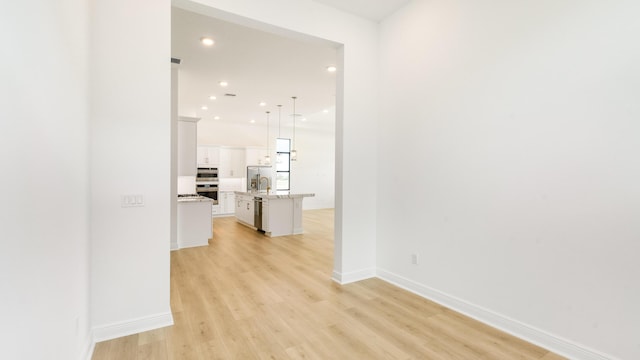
(207, 174)
(207, 183)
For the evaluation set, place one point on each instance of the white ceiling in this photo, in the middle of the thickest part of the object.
(375, 10)
(259, 66)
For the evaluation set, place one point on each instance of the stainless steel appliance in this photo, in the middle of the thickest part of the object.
(207, 174)
(259, 178)
(208, 190)
(207, 183)
(257, 213)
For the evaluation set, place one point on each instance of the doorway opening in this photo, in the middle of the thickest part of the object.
(249, 71)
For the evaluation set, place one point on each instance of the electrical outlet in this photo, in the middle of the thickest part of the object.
(414, 259)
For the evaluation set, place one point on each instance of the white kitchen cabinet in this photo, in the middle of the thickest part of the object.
(244, 209)
(232, 162)
(187, 133)
(238, 163)
(227, 202)
(194, 224)
(281, 212)
(277, 220)
(255, 156)
(229, 205)
(208, 156)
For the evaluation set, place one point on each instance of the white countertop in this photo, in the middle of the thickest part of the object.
(276, 194)
(193, 199)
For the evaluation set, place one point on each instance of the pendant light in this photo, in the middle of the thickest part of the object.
(294, 153)
(267, 159)
(278, 159)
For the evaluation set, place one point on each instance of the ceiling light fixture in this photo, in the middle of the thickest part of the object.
(267, 159)
(294, 153)
(331, 68)
(204, 107)
(224, 83)
(252, 121)
(207, 41)
(326, 111)
(262, 103)
(216, 118)
(212, 97)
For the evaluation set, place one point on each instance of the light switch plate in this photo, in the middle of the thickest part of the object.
(131, 201)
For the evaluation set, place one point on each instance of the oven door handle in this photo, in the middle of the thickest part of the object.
(206, 189)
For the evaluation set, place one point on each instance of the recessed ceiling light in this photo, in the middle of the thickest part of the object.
(326, 111)
(207, 41)
(303, 119)
(216, 118)
(223, 83)
(331, 68)
(212, 97)
(204, 108)
(252, 121)
(262, 103)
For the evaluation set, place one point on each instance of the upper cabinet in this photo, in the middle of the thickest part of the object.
(232, 162)
(208, 156)
(255, 156)
(187, 133)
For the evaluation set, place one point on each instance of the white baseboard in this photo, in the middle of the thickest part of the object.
(523, 331)
(353, 276)
(186, 245)
(129, 327)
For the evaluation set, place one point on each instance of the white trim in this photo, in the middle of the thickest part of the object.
(190, 244)
(523, 331)
(86, 352)
(188, 119)
(134, 326)
(353, 276)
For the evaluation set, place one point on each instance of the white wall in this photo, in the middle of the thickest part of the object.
(314, 171)
(174, 157)
(514, 126)
(131, 154)
(44, 217)
(355, 116)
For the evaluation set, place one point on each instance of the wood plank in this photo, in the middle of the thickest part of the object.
(248, 296)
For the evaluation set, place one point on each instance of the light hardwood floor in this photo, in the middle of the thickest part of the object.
(247, 296)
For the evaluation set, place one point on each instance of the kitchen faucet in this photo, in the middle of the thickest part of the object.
(268, 183)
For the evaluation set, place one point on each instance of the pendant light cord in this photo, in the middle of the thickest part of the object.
(279, 118)
(294, 122)
(268, 155)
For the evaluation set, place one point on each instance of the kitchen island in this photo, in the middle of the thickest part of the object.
(281, 211)
(194, 221)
